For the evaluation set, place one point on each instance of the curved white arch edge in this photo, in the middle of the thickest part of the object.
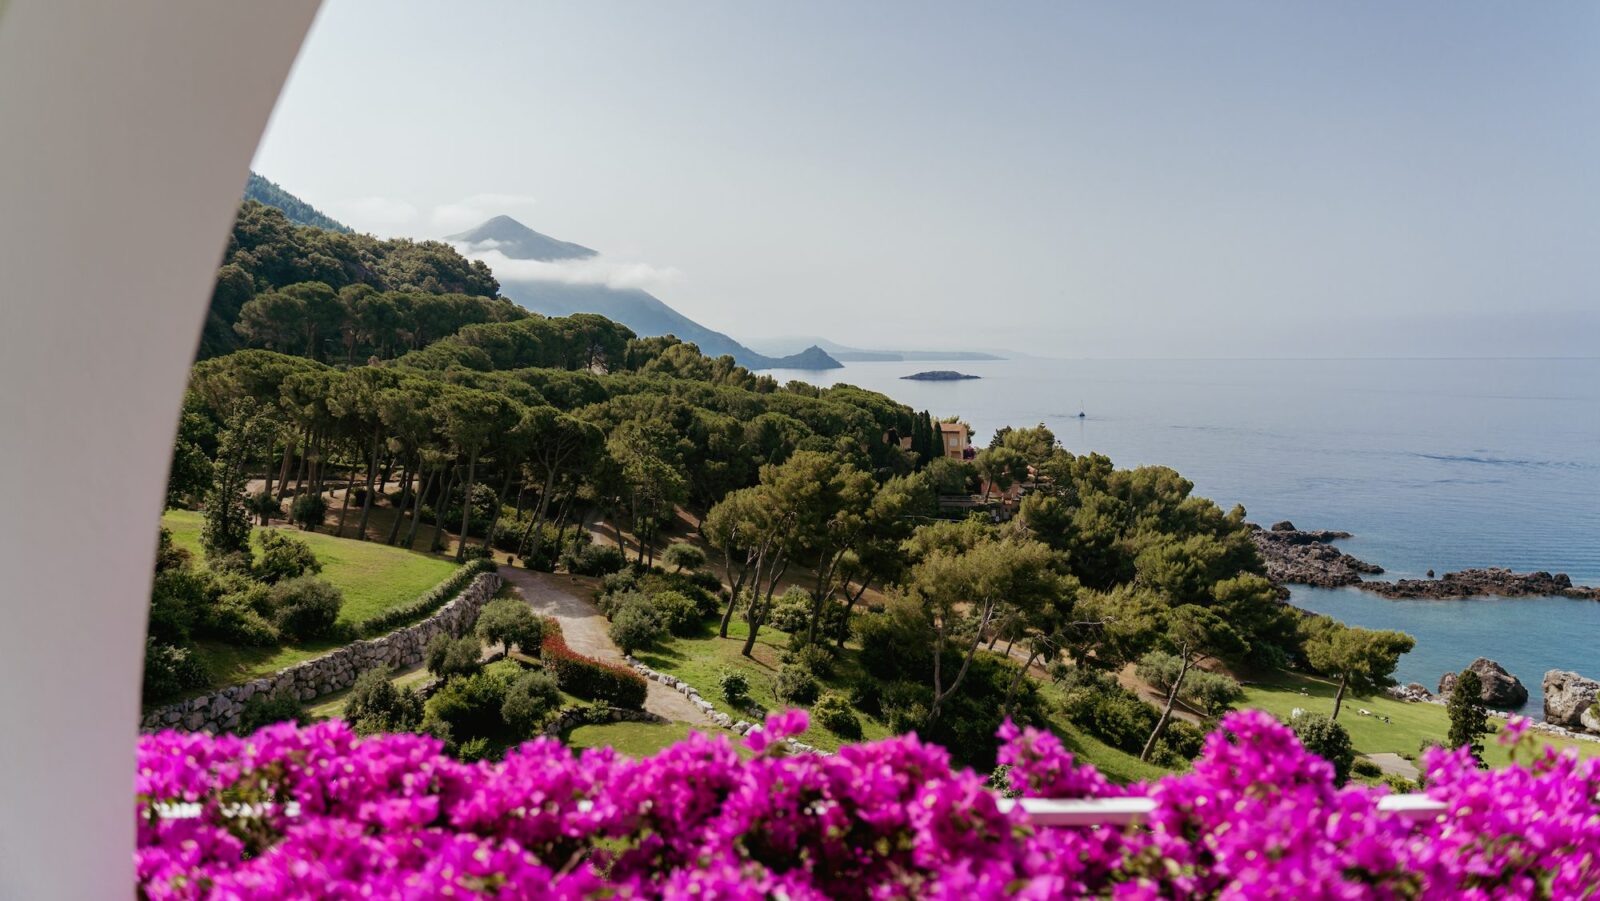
(126, 133)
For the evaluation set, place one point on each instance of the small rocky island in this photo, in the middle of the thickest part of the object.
(939, 375)
(1306, 558)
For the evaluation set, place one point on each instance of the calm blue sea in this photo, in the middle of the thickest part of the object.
(1432, 464)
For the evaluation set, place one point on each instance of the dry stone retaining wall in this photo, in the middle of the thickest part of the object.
(219, 711)
(743, 727)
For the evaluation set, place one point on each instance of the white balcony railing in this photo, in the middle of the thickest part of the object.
(1124, 811)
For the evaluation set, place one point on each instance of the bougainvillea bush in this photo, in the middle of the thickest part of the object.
(319, 812)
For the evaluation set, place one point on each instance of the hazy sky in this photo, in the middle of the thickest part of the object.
(1067, 179)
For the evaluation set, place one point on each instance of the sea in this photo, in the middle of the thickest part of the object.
(1438, 464)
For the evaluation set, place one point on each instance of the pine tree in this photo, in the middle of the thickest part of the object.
(1469, 719)
(227, 524)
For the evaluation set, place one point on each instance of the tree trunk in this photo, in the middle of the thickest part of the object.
(372, 472)
(466, 505)
(406, 478)
(758, 611)
(283, 471)
(416, 507)
(438, 510)
(735, 587)
(819, 594)
(1166, 712)
(1338, 697)
(1016, 680)
(344, 508)
(940, 695)
(494, 521)
(388, 470)
(849, 610)
(305, 455)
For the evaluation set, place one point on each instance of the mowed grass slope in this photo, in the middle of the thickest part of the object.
(1410, 724)
(373, 577)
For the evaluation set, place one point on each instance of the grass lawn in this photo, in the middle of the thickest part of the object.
(374, 577)
(700, 660)
(633, 739)
(1409, 724)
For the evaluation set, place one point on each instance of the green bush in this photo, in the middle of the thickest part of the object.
(510, 621)
(815, 659)
(308, 511)
(796, 685)
(448, 657)
(470, 705)
(1179, 743)
(676, 611)
(594, 560)
(529, 702)
(634, 626)
(376, 705)
(234, 618)
(1399, 784)
(1214, 693)
(427, 604)
(619, 582)
(1328, 740)
(473, 750)
(306, 608)
(265, 710)
(735, 686)
(170, 669)
(264, 505)
(835, 714)
(283, 556)
(683, 556)
(905, 706)
(791, 611)
(1365, 768)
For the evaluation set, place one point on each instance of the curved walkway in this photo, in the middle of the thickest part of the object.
(584, 628)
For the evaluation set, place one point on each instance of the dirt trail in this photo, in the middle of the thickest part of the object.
(584, 628)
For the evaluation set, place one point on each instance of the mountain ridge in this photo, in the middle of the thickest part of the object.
(641, 311)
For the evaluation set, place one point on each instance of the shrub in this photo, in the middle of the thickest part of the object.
(436, 597)
(676, 611)
(264, 505)
(1365, 768)
(706, 581)
(375, 705)
(634, 626)
(448, 657)
(590, 678)
(594, 560)
(1179, 743)
(835, 714)
(1328, 740)
(509, 621)
(234, 618)
(265, 709)
(815, 659)
(308, 511)
(796, 685)
(791, 611)
(283, 556)
(1399, 784)
(170, 669)
(735, 686)
(1214, 693)
(470, 705)
(905, 705)
(306, 607)
(477, 552)
(619, 582)
(473, 750)
(529, 702)
(683, 556)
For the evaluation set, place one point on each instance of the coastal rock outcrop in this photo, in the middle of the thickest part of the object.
(1567, 696)
(1496, 581)
(1306, 557)
(1500, 688)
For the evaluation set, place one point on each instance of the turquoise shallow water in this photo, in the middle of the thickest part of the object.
(1432, 464)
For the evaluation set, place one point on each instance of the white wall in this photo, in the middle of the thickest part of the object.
(126, 132)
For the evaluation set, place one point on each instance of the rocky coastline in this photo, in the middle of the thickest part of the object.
(1306, 557)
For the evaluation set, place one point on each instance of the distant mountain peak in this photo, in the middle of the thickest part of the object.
(519, 242)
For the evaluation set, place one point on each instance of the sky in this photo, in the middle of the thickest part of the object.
(1229, 179)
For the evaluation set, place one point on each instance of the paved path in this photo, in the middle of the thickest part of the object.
(1396, 765)
(584, 628)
